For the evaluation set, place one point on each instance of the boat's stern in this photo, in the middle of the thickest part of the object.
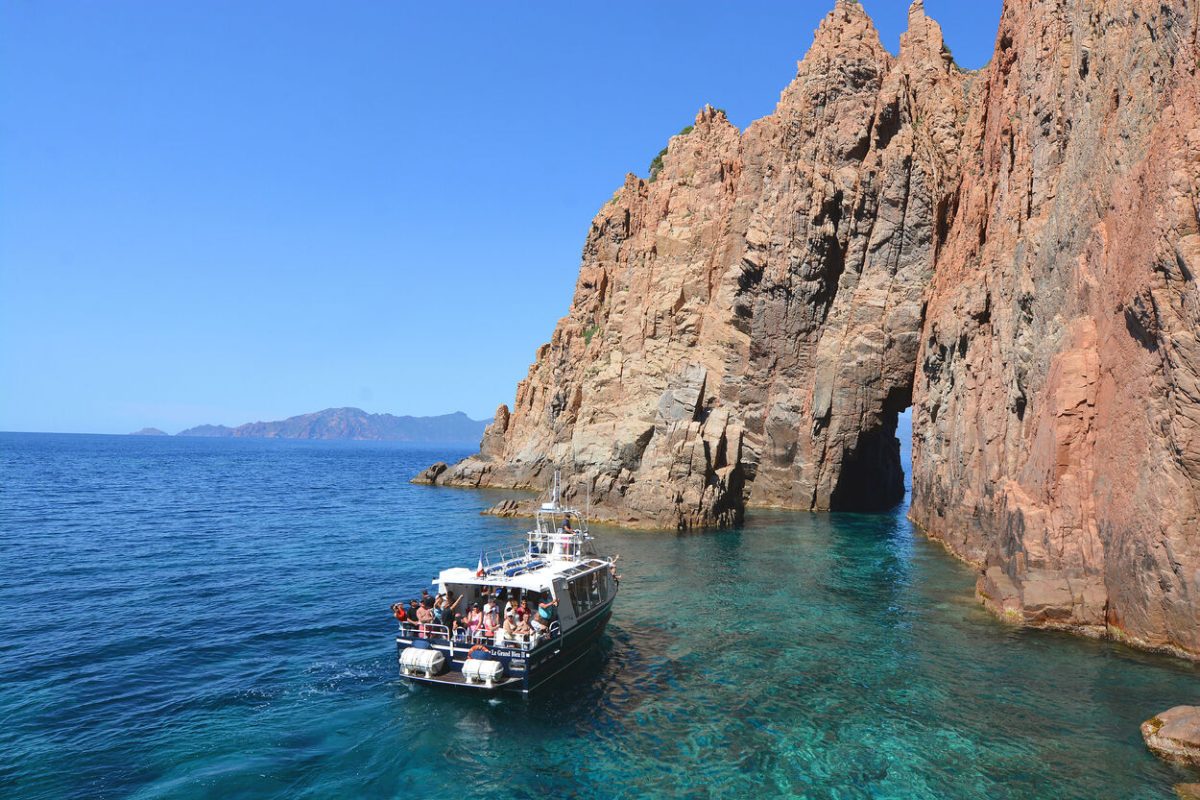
(424, 661)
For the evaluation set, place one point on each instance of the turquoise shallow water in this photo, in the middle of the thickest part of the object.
(208, 618)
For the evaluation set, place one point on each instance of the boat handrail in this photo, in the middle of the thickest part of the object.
(547, 519)
(557, 543)
(434, 631)
(514, 559)
(510, 562)
(506, 556)
(424, 630)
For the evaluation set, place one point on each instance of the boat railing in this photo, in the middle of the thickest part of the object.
(539, 545)
(420, 630)
(465, 640)
(557, 543)
(548, 520)
(510, 560)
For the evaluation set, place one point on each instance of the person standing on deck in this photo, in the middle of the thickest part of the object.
(545, 616)
(424, 617)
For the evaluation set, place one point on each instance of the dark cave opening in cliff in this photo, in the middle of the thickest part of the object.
(873, 476)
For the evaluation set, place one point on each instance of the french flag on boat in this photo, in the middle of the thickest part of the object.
(480, 571)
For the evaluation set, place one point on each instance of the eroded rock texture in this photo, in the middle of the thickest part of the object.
(1013, 252)
(1175, 735)
(1057, 416)
(745, 325)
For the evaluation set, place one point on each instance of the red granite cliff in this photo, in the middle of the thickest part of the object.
(1057, 406)
(746, 321)
(1011, 252)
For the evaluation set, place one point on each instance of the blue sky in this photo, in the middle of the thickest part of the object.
(236, 210)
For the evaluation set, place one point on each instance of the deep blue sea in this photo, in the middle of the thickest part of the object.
(207, 618)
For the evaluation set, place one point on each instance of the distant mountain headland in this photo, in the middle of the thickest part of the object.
(149, 432)
(353, 423)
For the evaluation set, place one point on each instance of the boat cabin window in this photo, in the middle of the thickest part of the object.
(589, 590)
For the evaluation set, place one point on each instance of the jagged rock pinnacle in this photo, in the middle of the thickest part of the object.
(1013, 253)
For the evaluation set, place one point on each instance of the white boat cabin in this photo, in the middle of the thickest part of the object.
(557, 562)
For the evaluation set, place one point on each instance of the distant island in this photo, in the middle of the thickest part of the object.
(354, 424)
(149, 432)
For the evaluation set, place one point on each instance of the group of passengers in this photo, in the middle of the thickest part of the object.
(491, 618)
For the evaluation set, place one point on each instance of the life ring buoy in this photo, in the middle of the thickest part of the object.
(478, 648)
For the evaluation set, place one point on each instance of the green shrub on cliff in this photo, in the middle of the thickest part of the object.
(657, 164)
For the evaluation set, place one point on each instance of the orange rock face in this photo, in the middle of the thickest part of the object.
(1175, 735)
(1012, 252)
(745, 324)
(1056, 400)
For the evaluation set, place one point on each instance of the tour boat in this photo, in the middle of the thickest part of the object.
(556, 562)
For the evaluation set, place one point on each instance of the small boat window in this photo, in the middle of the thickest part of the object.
(606, 584)
(588, 591)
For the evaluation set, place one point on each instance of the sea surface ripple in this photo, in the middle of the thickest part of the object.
(209, 618)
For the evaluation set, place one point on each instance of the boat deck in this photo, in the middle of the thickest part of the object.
(457, 679)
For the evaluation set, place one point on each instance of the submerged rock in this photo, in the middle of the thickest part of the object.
(1175, 735)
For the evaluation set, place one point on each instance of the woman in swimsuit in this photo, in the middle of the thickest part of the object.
(474, 621)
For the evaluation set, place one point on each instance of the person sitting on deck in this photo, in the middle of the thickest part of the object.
(517, 630)
(491, 621)
(510, 627)
(523, 614)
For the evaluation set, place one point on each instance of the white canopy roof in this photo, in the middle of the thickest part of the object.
(536, 580)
